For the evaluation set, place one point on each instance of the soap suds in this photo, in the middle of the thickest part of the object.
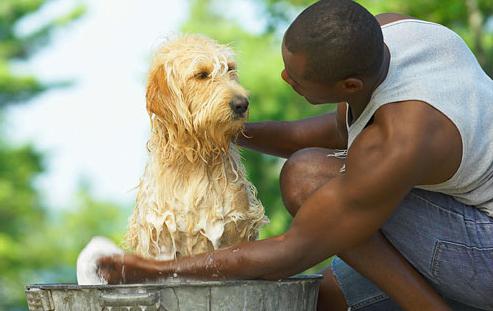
(87, 270)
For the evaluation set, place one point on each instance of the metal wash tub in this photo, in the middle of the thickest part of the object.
(295, 293)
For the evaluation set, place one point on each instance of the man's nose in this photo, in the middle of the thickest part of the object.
(239, 104)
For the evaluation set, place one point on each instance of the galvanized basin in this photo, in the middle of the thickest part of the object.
(295, 293)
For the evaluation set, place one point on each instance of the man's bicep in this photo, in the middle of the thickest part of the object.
(350, 208)
(382, 167)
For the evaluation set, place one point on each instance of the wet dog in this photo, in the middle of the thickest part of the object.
(194, 196)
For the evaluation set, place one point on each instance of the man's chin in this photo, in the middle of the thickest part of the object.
(314, 101)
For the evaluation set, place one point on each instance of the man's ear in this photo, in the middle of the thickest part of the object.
(157, 91)
(352, 85)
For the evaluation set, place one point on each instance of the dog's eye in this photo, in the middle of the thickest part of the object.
(202, 75)
(231, 67)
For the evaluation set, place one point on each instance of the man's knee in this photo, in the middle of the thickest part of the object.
(304, 172)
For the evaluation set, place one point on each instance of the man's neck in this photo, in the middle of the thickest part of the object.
(360, 100)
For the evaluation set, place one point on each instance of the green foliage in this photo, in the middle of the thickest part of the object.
(34, 245)
(46, 246)
(90, 217)
(15, 88)
(20, 213)
(279, 13)
(19, 202)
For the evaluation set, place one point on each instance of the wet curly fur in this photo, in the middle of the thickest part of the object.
(194, 196)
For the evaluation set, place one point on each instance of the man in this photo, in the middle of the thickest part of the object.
(416, 119)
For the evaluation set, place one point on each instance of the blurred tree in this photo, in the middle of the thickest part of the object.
(26, 246)
(69, 230)
(15, 47)
(89, 217)
(20, 215)
(472, 19)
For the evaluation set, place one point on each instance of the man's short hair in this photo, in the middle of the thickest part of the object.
(339, 38)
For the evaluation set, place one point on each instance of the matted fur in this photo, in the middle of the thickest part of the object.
(194, 196)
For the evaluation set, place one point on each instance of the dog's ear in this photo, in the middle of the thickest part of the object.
(157, 91)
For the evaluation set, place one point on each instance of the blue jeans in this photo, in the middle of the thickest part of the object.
(449, 243)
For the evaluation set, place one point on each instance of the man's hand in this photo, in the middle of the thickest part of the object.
(128, 268)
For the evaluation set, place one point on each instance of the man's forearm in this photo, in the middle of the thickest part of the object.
(282, 138)
(272, 258)
(269, 259)
(270, 137)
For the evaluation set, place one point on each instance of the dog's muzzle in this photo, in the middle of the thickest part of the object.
(239, 105)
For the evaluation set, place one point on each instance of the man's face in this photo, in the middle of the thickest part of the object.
(314, 92)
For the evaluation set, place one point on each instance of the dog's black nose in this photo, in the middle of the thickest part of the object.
(239, 104)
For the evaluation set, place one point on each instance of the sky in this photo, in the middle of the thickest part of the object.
(95, 130)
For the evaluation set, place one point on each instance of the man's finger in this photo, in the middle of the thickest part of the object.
(104, 261)
(106, 269)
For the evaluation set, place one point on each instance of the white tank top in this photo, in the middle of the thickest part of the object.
(431, 63)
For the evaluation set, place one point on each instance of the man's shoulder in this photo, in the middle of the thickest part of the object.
(415, 121)
(407, 110)
(419, 123)
(387, 18)
(416, 127)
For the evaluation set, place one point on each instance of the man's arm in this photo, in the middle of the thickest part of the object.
(343, 213)
(282, 138)
(387, 18)
(384, 163)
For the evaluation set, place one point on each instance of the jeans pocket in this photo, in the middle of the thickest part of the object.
(464, 273)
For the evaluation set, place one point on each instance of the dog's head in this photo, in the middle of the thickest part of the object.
(193, 90)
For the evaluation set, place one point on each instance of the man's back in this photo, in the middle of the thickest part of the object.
(432, 64)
